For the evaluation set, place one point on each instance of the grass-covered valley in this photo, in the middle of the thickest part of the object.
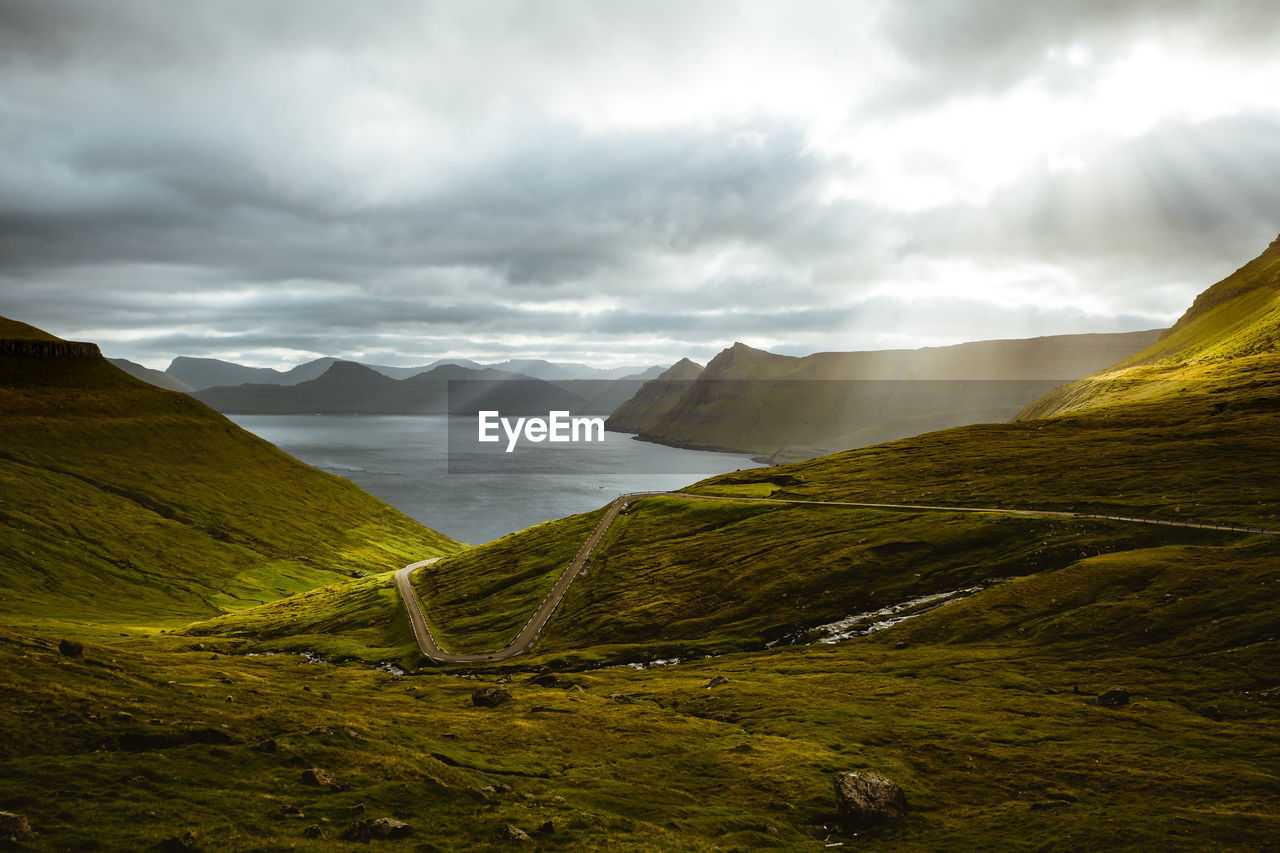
(179, 550)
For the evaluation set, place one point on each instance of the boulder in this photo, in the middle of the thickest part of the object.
(71, 648)
(491, 697)
(15, 827)
(314, 831)
(1116, 697)
(289, 811)
(866, 798)
(717, 681)
(318, 777)
(544, 680)
(511, 832)
(389, 827)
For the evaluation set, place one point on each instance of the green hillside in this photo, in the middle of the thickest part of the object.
(125, 502)
(984, 709)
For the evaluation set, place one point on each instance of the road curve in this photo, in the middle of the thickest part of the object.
(532, 629)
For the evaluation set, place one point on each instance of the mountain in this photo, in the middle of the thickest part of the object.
(1230, 326)
(654, 400)
(201, 373)
(158, 378)
(123, 500)
(782, 407)
(351, 388)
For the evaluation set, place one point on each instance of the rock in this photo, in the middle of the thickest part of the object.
(546, 680)
(184, 843)
(357, 830)
(510, 832)
(717, 681)
(268, 745)
(546, 829)
(389, 827)
(504, 788)
(71, 648)
(288, 811)
(621, 698)
(14, 826)
(901, 644)
(314, 831)
(559, 800)
(124, 716)
(1213, 712)
(742, 747)
(358, 808)
(491, 697)
(1116, 697)
(866, 798)
(320, 778)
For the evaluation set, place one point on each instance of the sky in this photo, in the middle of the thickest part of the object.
(622, 182)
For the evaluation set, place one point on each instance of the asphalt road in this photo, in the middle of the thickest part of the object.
(532, 629)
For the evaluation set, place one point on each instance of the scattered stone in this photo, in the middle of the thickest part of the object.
(866, 798)
(358, 808)
(124, 716)
(268, 745)
(314, 831)
(288, 811)
(71, 648)
(389, 827)
(1116, 697)
(491, 697)
(318, 777)
(511, 832)
(504, 788)
(559, 800)
(184, 843)
(14, 826)
(198, 647)
(771, 830)
(230, 698)
(717, 681)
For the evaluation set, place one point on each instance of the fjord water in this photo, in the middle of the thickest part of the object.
(477, 494)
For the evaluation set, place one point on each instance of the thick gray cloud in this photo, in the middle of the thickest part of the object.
(619, 182)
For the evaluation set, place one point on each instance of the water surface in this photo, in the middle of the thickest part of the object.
(405, 461)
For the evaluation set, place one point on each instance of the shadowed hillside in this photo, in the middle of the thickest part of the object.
(786, 408)
(121, 498)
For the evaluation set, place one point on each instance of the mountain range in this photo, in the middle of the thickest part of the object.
(202, 373)
(785, 408)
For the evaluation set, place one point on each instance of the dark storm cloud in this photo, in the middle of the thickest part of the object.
(617, 180)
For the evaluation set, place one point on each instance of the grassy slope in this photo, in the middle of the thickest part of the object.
(972, 707)
(130, 504)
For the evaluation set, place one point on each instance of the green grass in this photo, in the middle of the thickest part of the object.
(137, 504)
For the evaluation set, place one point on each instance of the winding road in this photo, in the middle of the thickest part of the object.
(532, 629)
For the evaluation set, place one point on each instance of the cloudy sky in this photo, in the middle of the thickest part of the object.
(624, 182)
